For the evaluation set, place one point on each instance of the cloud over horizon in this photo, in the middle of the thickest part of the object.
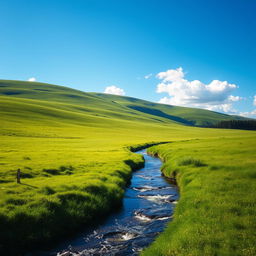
(214, 96)
(114, 90)
(32, 79)
(252, 113)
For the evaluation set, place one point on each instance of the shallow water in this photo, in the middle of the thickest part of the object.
(147, 207)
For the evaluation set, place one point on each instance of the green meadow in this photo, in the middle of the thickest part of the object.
(216, 212)
(74, 150)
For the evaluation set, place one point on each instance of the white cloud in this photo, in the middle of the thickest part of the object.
(254, 100)
(148, 76)
(249, 114)
(32, 79)
(214, 96)
(234, 98)
(114, 90)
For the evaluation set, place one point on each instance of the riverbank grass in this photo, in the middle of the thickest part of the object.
(216, 211)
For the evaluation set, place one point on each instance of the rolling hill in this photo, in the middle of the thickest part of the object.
(58, 101)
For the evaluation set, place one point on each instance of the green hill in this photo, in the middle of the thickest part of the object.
(182, 115)
(75, 105)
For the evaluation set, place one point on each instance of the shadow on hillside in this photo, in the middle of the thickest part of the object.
(160, 113)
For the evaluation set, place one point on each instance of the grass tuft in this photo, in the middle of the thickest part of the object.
(191, 161)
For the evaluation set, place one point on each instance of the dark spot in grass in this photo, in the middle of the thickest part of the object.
(26, 158)
(4, 181)
(186, 181)
(192, 161)
(15, 201)
(252, 175)
(238, 225)
(94, 189)
(72, 196)
(235, 210)
(68, 172)
(214, 167)
(47, 190)
(26, 175)
(52, 171)
(64, 170)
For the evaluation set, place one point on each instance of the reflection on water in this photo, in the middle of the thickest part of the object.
(147, 207)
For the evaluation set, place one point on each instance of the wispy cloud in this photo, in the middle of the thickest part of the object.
(213, 96)
(114, 90)
(32, 79)
(251, 114)
(148, 76)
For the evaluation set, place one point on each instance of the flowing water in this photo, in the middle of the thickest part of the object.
(147, 207)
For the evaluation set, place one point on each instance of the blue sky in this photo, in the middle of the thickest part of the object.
(92, 45)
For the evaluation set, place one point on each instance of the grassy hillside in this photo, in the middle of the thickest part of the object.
(71, 148)
(103, 105)
(216, 212)
(183, 115)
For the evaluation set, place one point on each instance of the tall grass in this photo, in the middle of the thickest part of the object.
(216, 212)
(30, 215)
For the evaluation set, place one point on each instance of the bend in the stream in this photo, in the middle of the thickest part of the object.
(148, 206)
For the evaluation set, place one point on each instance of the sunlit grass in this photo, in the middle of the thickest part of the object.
(216, 212)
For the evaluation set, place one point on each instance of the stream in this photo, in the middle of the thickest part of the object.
(148, 206)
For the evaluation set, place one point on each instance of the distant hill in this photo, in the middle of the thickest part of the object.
(35, 100)
(183, 115)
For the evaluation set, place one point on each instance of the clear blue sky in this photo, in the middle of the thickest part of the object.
(92, 44)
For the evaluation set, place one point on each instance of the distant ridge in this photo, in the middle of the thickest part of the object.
(66, 102)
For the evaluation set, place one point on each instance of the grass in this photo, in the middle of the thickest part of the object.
(216, 212)
(74, 152)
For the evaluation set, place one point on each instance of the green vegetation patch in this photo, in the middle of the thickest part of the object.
(216, 211)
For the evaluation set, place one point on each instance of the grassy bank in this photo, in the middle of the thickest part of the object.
(216, 212)
(55, 203)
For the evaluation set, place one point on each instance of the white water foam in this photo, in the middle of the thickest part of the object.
(145, 177)
(145, 188)
(128, 236)
(163, 218)
(142, 217)
(156, 198)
